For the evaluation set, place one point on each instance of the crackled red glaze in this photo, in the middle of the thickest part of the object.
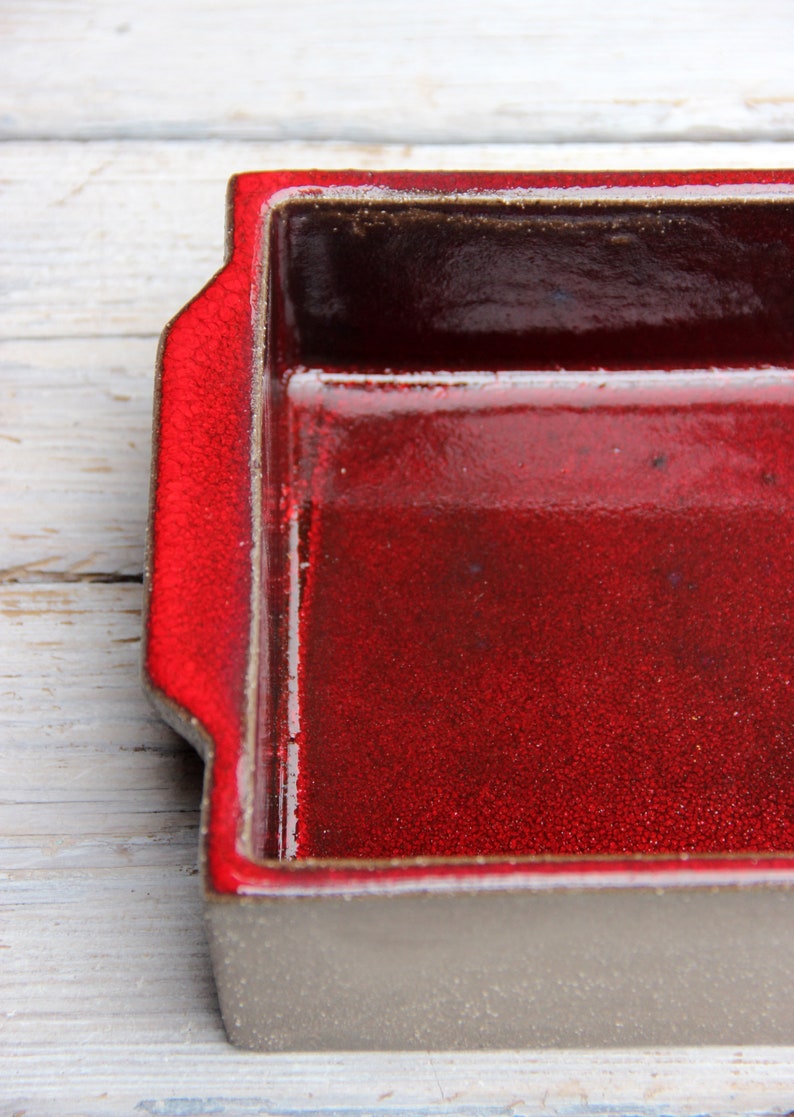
(202, 586)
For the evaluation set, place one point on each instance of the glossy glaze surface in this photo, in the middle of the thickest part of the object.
(542, 615)
(570, 284)
(217, 648)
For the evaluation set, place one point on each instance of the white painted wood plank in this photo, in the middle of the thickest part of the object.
(93, 1076)
(75, 436)
(100, 916)
(418, 70)
(86, 765)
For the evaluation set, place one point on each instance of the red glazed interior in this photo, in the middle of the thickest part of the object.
(529, 523)
(624, 616)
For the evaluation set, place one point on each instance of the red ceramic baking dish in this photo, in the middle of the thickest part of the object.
(471, 576)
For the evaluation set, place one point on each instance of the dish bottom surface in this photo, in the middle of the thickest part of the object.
(539, 615)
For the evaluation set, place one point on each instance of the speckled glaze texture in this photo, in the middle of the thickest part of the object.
(545, 621)
(470, 571)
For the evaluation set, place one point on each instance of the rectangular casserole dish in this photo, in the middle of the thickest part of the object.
(470, 576)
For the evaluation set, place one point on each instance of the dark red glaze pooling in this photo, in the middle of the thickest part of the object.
(527, 526)
(537, 285)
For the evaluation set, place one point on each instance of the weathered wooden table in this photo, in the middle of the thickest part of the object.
(121, 124)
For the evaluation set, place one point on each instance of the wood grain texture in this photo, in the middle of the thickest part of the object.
(99, 824)
(75, 433)
(420, 70)
(197, 1078)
